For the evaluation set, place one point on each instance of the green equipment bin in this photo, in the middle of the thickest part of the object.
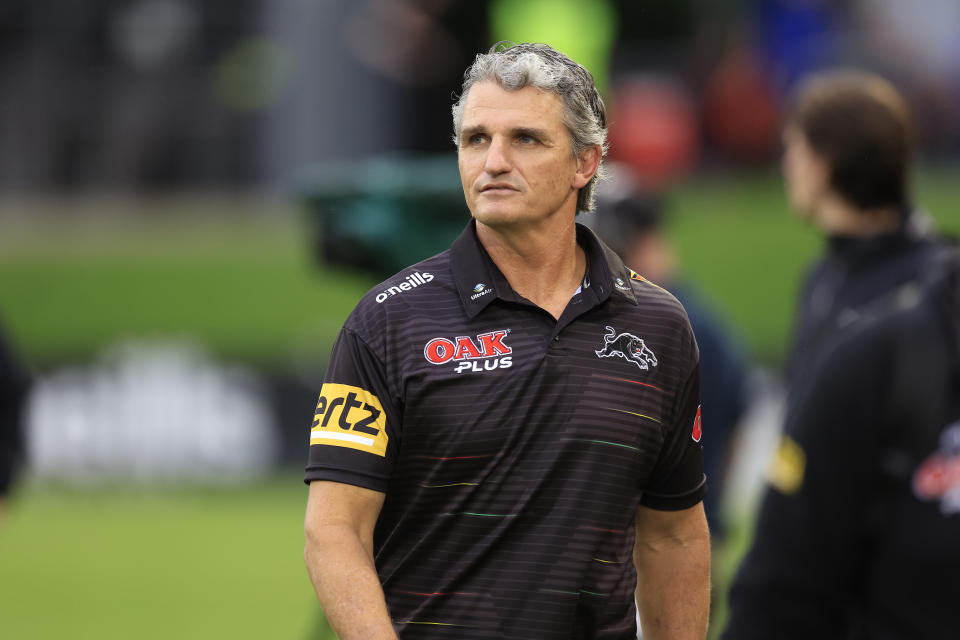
(385, 213)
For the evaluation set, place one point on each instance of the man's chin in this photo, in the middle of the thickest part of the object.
(496, 216)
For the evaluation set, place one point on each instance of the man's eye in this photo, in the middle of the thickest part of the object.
(527, 139)
(477, 138)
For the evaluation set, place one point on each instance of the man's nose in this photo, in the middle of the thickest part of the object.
(498, 156)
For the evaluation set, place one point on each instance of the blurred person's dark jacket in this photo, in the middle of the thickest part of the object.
(857, 278)
(858, 535)
(13, 390)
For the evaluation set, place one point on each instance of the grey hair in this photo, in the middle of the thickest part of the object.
(515, 66)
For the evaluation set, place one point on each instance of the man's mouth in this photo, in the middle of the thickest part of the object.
(497, 188)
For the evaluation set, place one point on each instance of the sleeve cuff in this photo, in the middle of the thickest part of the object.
(346, 477)
(675, 502)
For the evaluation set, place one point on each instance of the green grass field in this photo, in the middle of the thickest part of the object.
(174, 563)
(246, 287)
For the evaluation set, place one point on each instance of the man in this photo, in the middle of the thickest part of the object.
(507, 428)
(846, 163)
(838, 510)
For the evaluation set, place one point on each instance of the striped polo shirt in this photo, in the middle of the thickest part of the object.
(513, 448)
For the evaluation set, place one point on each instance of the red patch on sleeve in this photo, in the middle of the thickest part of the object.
(697, 427)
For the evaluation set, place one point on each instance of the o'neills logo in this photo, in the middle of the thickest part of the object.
(468, 353)
(413, 280)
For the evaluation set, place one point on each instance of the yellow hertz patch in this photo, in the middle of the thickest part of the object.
(350, 417)
(787, 466)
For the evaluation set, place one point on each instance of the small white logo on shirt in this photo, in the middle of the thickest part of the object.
(413, 280)
(480, 289)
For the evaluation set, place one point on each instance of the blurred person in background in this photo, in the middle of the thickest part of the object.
(632, 224)
(14, 384)
(831, 555)
(847, 151)
(858, 538)
(490, 456)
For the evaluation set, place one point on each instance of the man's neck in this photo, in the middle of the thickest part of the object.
(836, 217)
(543, 264)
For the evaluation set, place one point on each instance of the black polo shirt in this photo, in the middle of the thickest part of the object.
(513, 448)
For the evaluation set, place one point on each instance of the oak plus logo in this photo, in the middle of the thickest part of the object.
(411, 281)
(485, 353)
(628, 347)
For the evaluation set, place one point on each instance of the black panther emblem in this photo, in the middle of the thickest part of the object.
(627, 346)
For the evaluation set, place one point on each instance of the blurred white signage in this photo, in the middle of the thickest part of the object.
(149, 413)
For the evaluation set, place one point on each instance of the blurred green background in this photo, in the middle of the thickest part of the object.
(241, 278)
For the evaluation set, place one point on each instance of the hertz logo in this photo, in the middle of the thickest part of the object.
(350, 417)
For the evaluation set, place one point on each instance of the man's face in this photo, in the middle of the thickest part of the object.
(806, 174)
(516, 162)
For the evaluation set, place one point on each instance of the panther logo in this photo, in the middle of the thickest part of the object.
(627, 346)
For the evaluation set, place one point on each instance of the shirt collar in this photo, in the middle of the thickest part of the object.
(858, 250)
(479, 281)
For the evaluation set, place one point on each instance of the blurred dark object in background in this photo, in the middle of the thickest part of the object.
(200, 94)
(210, 94)
(14, 384)
(104, 94)
(384, 214)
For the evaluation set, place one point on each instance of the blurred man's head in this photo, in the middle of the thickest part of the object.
(645, 247)
(847, 141)
(631, 222)
(547, 70)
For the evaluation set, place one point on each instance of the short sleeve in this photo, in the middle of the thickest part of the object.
(356, 430)
(678, 481)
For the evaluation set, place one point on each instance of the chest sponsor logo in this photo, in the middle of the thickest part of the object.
(938, 477)
(350, 417)
(628, 347)
(487, 352)
(410, 282)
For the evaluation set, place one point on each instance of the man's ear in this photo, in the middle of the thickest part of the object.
(587, 164)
